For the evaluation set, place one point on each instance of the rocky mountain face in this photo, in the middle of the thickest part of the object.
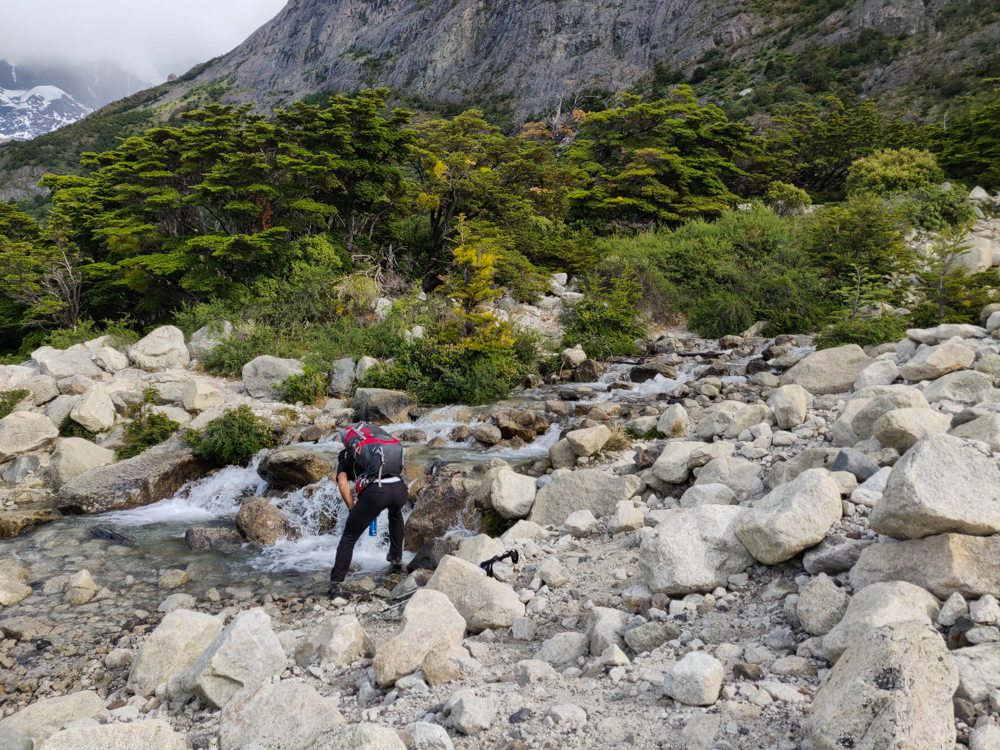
(27, 114)
(532, 50)
(532, 53)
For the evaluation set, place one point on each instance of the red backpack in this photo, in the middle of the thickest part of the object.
(377, 454)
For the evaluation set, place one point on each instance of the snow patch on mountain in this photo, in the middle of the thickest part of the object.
(27, 114)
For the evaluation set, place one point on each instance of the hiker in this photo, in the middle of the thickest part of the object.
(373, 460)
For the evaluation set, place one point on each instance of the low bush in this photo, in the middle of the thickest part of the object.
(69, 428)
(306, 387)
(725, 275)
(862, 234)
(607, 321)
(935, 209)
(785, 199)
(120, 332)
(438, 373)
(319, 345)
(467, 354)
(621, 439)
(232, 439)
(10, 399)
(863, 332)
(893, 171)
(144, 431)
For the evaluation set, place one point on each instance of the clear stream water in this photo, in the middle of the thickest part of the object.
(158, 529)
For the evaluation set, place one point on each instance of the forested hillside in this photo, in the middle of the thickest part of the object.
(297, 224)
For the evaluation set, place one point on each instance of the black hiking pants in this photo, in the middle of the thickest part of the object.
(371, 502)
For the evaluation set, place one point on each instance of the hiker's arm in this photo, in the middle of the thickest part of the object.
(345, 490)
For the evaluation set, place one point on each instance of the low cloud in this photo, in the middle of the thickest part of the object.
(152, 38)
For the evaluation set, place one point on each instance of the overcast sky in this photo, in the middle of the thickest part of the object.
(152, 38)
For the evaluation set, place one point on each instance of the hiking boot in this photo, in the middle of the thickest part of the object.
(337, 591)
(395, 566)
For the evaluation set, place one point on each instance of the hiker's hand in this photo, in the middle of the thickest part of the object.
(345, 490)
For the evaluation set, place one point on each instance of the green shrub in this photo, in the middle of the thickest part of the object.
(232, 439)
(307, 387)
(725, 275)
(949, 292)
(785, 199)
(441, 375)
(892, 171)
(319, 345)
(69, 428)
(493, 524)
(120, 332)
(607, 320)
(10, 399)
(863, 233)
(720, 314)
(862, 331)
(935, 209)
(248, 342)
(144, 431)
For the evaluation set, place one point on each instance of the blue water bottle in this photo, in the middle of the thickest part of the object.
(373, 529)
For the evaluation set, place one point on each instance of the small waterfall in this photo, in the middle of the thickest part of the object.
(201, 500)
(208, 500)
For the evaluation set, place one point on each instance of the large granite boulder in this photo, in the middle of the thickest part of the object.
(829, 370)
(586, 489)
(430, 624)
(739, 475)
(978, 671)
(381, 406)
(935, 361)
(436, 508)
(903, 428)
(891, 689)
(262, 375)
(342, 377)
(173, 646)
(24, 431)
(200, 394)
(75, 456)
(42, 719)
(877, 605)
(336, 642)
(245, 654)
(155, 734)
(942, 564)
(789, 406)
(276, 716)
(95, 410)
(162, 349)
(943, 484)
(69, 363)
(792, 517)
(260, 522)
(43, 388)
(694, 549)
(291, 467)
(204, 341)
(153, 475)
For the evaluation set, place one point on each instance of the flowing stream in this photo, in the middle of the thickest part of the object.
(158, 529)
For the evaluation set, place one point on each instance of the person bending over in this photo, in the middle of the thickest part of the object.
(374, 495)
